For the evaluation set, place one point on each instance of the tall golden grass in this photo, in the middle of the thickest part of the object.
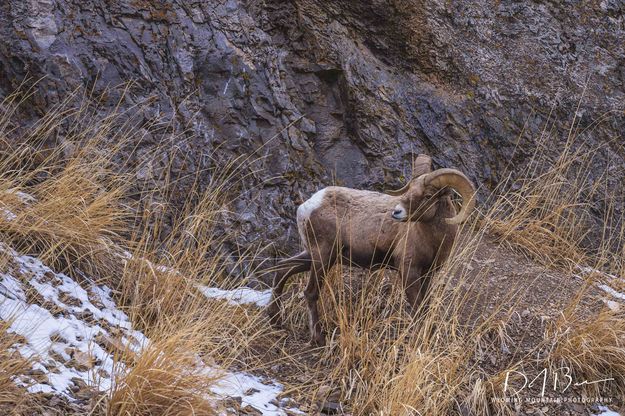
(593, 350)
(379, 359)
(12, 365)
(167, 378)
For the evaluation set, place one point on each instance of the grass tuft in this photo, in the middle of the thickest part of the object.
(12, 365)
(167, 378)
(70, 204)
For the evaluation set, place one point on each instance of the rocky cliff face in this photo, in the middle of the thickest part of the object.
(333, 91)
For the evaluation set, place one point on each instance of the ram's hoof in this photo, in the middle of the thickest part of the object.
(318, 341)
(274, 317)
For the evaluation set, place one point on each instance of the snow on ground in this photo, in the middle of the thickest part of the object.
(612, 292)
(605, 411)
(254, 392)
(609, 279)
(7, 215)
(73, 333)
(238, 296)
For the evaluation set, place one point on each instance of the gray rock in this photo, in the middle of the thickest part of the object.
(471, 83)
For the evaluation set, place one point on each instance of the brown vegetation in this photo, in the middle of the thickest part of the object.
(378, 358)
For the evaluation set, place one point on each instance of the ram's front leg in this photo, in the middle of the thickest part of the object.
(416, 283)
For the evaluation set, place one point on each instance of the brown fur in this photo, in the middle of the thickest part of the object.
(357, 225)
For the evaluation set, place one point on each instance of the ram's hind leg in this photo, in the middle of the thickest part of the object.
(322, 261)
(285, 269)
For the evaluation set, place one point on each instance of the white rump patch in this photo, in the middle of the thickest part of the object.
(306, 209)
(304, 212)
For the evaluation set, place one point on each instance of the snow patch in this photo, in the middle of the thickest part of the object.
(238, 296)
(253, 391)
(605, 411)
(7, 214)
(26, 199)
(61, 326)
(60, 332)
(612, 292)
(614, 306)
(591, 270)
(586, 270)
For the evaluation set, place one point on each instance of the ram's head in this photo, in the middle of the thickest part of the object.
(419, 198)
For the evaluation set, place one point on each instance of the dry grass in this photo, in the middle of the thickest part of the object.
(379, 359)
(70, 221)
(68, 207)
(547, 215)
(592, 350)
(166, 379)
(12, 365)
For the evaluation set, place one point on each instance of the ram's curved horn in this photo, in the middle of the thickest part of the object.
(421, 165)
(454, 179)
(398, 192)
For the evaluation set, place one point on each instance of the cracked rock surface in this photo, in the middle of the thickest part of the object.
(334, 91)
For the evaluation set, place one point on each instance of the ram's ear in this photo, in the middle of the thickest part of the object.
(421, 165)
(398, 192)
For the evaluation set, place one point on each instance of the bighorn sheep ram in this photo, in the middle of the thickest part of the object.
(410, 230)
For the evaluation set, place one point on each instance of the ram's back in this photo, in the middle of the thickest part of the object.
(360, 220)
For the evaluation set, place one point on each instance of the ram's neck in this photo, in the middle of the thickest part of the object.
(439, 227)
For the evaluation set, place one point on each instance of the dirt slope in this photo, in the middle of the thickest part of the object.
(519, 300)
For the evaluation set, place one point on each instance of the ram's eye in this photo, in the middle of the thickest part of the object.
(428, 196)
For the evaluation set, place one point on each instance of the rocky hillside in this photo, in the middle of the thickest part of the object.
(331, 91)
